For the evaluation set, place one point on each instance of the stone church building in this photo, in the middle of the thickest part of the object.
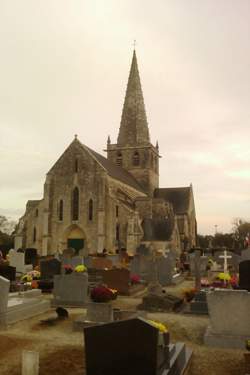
(92, 202)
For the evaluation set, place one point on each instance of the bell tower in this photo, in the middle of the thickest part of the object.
(134, 151)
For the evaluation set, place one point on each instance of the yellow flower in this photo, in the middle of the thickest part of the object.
(162, 328)
(26, 278)
(81, 268)
(224, 276)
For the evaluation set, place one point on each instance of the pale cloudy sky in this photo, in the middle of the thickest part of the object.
(63, 70)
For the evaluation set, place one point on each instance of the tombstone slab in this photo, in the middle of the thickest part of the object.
(138, 352)
(229, 318)
(70, 290)
(4, 294)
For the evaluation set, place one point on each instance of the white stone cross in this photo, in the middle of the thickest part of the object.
(225, 257)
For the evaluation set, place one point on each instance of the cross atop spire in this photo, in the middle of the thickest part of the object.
(134, 127)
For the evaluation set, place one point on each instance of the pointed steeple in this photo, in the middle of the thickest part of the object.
(134, 127)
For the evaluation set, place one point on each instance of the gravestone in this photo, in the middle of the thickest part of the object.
(115, 259)
(68, 253)
(165, 267)
(244, 275)
(49, 268)
(101, 263)
(70, 290)
(17, 260)
(203, 262)
(98, 312)
(143, 250)
(76, 260)
(117, 278)
(140, 265)
(8, 272)
(245, 254)
(199, 304)
(139, 350)
(231, 261)
(31, 257)
(229, 318)
(4, 294)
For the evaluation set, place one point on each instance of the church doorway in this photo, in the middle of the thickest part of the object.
(76, 243)
(75, 238)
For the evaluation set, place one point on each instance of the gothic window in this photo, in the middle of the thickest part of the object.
(34, 234)
(116, 211)
(136, 159)
(75, 204)
(90, 209)
(119, 159)
(76, 165)
(117, 232)
(60, 210)
(36, 213)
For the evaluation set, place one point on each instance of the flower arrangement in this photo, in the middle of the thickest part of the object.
(162, 327)
(189, 294)
(134, 279)
(68, 269)
(80, 268)
(30, 276)
(205, 283)
(103, 294)
(234, 281)
(224, 276)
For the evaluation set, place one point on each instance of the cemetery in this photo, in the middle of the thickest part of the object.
(122, 262)
(104, 296)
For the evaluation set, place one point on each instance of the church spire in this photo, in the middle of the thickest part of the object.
(134, 127)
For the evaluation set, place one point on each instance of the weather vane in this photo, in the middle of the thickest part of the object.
(134, 43)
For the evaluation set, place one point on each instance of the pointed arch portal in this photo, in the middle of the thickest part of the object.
(75, 238)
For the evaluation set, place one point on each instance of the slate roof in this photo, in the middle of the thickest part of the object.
(116, 172)
(179, 197)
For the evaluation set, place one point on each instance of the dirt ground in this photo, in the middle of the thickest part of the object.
(62, 351)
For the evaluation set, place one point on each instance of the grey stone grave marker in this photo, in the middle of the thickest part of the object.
(70, 290)
(229, 318)
(4, 294)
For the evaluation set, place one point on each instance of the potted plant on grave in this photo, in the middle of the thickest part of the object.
(103, 294)
(135, 279)
(80, 268)
(68, 269)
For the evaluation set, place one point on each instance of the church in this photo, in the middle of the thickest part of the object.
(92, 202)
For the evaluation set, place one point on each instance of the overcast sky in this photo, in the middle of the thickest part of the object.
(63, 70)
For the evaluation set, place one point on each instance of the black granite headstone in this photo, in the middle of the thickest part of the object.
(50, 268)
(8, 272)
(244, 275)
(30, 256)
(128, 347)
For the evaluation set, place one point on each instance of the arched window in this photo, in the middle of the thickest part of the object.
(119, 159)
(76, 165)
(117, 232)
(75, 204)
(136, 158)
(116, 211)
(90, 209)
(34, 234)
(36, 213)
(60, 210)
